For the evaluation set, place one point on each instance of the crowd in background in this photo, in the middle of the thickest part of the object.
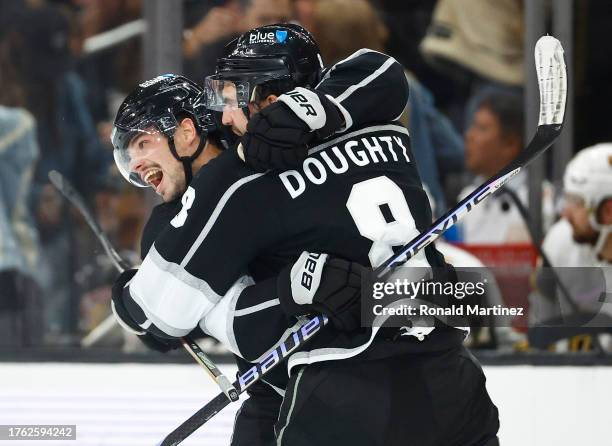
(464, 63)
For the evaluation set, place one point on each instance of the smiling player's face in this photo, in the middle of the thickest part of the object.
(150, 157)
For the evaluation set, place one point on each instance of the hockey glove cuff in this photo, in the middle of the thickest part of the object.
(123, 316)
(279, 135)
(322, 284)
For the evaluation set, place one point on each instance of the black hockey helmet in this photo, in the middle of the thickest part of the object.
(157, 105)
(283, 53)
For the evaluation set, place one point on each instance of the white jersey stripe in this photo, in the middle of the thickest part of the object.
(179, 272)
(169, 301)
(348, 119)
(219, 322)
(258, 307)
(328, 354)
(375, 128)
(215, 214)
(349, 91)
(352, 56)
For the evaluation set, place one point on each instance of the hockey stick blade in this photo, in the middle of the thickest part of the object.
(72, 195)
(552, 82)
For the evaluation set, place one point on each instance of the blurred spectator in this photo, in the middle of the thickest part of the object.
(20, 306)
(55, 95)
(117, 69)
(304, 12)
(264, 12)
(407, 22)
(493, 139)
(345, 26)
(477, 44)
(204, 41)
(41, 34)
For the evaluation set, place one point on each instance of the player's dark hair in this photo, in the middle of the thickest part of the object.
(275, 87)
(508, 108)
(244, 4)
(214, 135)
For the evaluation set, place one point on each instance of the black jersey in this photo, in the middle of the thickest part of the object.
(235, 227)
(356, 196)
(367, 87)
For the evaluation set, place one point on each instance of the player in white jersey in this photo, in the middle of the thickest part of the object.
(582, 238)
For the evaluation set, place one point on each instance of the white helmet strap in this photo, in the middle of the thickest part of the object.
(604, 232)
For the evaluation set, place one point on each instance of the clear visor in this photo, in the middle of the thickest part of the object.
(225, 94)
(130, 150)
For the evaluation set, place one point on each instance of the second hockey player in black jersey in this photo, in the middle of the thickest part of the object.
(356, 196)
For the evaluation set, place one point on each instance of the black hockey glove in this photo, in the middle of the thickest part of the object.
(127, 321)
(279, 135)
(322, 284)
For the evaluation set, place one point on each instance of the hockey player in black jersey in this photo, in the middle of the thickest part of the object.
(201, 268)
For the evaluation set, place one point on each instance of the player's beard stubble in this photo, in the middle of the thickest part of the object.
(174, 182)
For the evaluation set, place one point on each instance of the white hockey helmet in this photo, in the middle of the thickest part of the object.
(589, 175)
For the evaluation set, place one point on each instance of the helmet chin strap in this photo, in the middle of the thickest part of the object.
(187, 160)
(604, 232)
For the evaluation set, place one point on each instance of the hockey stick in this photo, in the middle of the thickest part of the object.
(71, 194)
(552, 82)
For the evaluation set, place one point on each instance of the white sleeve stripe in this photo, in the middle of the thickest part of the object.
(348, 120)
(374, 128)
(349, 91)
(352, 56)
(400, 115)
(181, 274)
(215, 214)
(219, 322)
(256, 308)
(278, 390)
(173, 305)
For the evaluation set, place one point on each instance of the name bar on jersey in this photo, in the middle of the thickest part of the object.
(338, 158)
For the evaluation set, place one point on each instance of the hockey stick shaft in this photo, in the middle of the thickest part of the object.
(71, 194)
(552, 81)
(525, 216)
(67, 190)
(273, 358)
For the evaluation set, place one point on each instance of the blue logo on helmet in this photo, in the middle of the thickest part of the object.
(281, 35)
